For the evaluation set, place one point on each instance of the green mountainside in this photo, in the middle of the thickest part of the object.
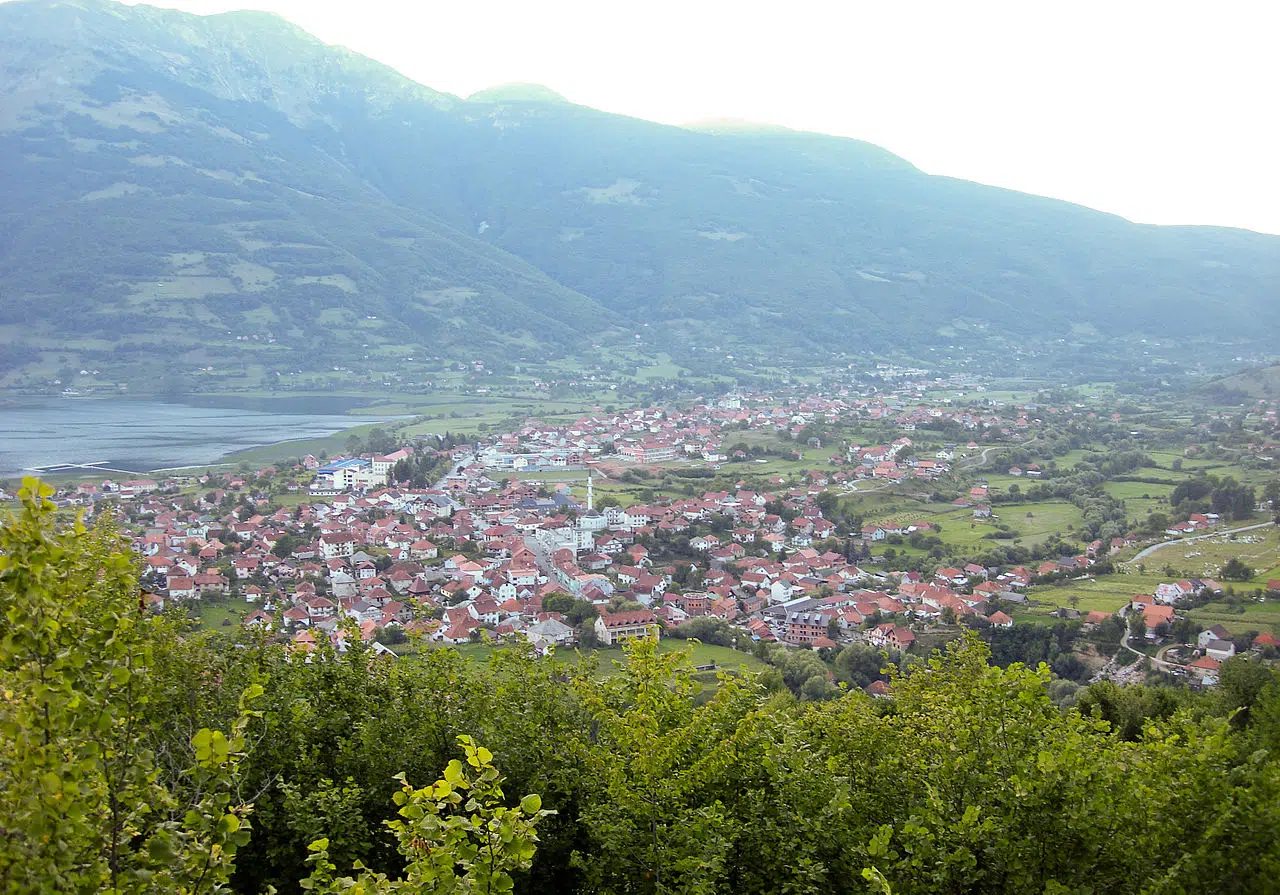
(183, 192)
(1257, 383)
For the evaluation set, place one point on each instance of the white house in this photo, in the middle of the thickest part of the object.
(1220, 649)
(1207, 636)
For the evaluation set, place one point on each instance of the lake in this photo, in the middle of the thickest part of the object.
(146, 435)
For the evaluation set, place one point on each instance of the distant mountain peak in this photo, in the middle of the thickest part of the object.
(264, 19)
(517, 93)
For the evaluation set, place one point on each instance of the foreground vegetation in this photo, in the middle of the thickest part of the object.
(116, 773)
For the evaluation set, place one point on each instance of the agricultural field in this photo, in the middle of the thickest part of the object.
(1032, 616)
(1193, 466)
(1000, 483)
(874, 502)
(646, 484)
(810, 457)
(1138, 509)
(957, 526)
(662, 368)
(296, 499)
(1104, 593)
(960, 530)
(1164, 460)
(1035, 521)
(1252, 615)
(1071, 459)
(1137, 490)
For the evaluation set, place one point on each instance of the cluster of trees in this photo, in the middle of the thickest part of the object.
(576, 612)
(422, 469)
(1051, 644)
(378, 440)
(1224, 496)
(1271, 494)
(1118, 462)
(139, 756)
(1236, 569)
(740, 450)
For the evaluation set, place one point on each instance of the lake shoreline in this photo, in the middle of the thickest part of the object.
(234, 458)
(132, 436)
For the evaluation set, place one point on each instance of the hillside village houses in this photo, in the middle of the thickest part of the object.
(477, 554)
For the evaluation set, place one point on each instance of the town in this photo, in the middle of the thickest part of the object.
(538, 534)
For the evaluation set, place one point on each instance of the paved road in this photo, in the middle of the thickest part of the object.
(442, 484)
(1158, 663)
(978, 461)
(541, 555)
(854, 489)
(453, 470)
(1213, 534)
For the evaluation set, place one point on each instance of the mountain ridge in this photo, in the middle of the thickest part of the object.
(197, 182)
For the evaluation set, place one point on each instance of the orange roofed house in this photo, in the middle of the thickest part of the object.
(1155, 616)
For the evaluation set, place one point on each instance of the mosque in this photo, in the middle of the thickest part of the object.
(591, 521)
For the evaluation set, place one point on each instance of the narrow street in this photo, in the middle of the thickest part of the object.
(541, 555)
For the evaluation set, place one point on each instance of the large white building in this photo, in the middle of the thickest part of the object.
(337, 545)
(382, 464)
(344, 475)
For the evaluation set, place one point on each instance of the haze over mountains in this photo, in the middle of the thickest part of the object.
(182, 192)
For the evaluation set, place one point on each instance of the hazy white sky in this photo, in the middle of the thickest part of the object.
(1164, 112)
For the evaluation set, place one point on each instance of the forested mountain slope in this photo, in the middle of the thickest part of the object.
(173, 182)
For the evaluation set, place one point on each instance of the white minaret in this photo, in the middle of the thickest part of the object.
(590, 521)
